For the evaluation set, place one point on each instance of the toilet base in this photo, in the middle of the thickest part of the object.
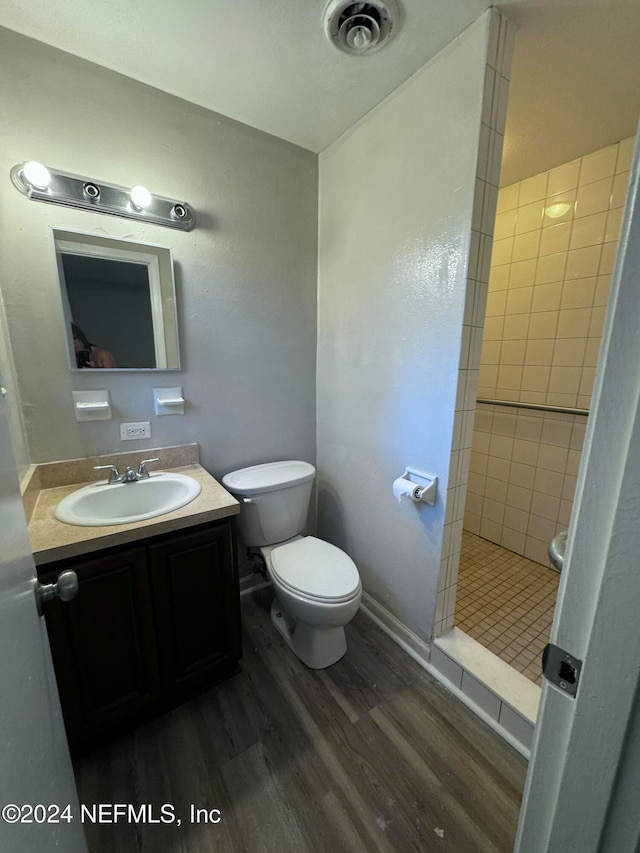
(316, 647)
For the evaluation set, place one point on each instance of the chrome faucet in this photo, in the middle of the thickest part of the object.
(129, 476)
(143, 474)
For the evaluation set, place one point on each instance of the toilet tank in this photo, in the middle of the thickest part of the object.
(275, 500)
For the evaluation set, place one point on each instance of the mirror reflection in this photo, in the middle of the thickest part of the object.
(118, 300)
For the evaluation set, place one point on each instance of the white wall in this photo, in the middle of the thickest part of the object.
(396, 206)
(246, 276)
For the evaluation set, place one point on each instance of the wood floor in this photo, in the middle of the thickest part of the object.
(369, 755)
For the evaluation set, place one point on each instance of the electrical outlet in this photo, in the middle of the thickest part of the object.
(129, 432)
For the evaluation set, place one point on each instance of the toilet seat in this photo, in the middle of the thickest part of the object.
(315, 569)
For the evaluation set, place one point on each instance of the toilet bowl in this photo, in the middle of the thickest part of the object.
(317, 592)
(316, 585)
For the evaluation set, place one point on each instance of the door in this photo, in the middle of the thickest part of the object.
(582, 788)
(35, 765)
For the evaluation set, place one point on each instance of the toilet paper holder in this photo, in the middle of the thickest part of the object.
(418, 486)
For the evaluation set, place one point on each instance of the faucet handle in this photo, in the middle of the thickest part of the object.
(142, 468)
(114, 477)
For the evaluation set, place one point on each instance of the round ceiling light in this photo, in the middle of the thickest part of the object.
(360, 28)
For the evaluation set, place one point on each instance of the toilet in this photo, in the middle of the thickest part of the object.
(317, 586)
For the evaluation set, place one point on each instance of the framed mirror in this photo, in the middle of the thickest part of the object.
(118, 301)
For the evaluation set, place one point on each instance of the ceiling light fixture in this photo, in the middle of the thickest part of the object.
(39, 183)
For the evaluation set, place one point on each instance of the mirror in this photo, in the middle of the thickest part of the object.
(118, 301)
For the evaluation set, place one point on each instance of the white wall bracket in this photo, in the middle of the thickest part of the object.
(92, 405)
(168, 401)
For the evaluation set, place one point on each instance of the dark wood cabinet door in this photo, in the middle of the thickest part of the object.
(103, 644)
(194, 579)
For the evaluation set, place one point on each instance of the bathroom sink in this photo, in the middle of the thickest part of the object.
(123, 503)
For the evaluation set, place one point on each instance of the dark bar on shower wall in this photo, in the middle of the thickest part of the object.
(557, 409)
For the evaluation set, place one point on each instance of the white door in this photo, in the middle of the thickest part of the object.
(582, 790)
(35, 768)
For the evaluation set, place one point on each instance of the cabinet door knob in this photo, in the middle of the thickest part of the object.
(65, 588)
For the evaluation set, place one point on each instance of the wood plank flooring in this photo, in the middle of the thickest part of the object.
(369, 755)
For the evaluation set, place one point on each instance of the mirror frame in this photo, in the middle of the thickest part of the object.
(159, 263)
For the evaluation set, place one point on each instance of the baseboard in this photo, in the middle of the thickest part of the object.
(252, 583)
(397, 630)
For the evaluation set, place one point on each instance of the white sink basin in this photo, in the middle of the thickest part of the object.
(123, 503)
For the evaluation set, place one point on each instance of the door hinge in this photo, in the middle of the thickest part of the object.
(561, 669)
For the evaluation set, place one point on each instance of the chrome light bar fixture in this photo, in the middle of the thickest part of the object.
(39, 183)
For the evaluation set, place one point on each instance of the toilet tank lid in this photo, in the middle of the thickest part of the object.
(268, 477)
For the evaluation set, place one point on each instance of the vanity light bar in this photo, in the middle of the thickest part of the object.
(39, 183)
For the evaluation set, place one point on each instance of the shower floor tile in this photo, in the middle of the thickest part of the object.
(505, 602)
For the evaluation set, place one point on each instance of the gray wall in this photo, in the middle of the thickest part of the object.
(245, 277)
(396, 204)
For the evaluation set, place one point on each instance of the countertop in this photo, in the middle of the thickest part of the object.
(52, 540)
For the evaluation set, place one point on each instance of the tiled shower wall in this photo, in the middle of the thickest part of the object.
(555, 241)
(522, 477)
(494, 108)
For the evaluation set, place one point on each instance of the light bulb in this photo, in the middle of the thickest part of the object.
(140, 197)
(36, 174)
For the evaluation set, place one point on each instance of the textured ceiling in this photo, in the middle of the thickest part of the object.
(266, 63)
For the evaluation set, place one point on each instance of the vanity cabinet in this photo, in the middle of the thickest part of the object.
(151, 623)
(195, 592)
